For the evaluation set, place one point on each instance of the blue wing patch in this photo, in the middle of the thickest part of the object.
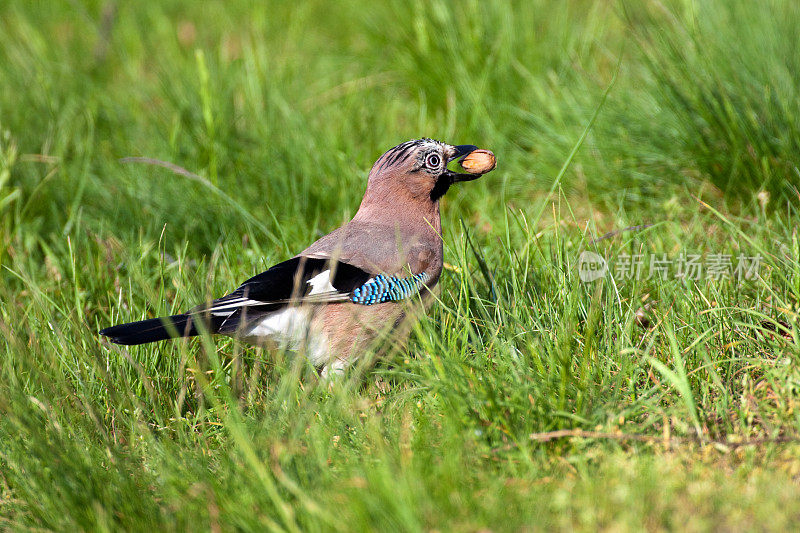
(383, 288)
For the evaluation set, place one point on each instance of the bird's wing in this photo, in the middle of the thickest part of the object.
(298, 280)
(305, 280)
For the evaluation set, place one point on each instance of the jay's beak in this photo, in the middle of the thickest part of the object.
(459, 152)
(476, 165)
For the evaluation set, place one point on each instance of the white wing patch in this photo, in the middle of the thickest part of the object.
(321, 283)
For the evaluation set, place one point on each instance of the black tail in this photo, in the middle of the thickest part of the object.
(159, 329)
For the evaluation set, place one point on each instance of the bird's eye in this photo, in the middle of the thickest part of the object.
(433, 160)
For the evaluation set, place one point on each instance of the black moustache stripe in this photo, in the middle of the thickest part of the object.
(441, 186)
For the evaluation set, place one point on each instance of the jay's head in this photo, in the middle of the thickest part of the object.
(417, 171)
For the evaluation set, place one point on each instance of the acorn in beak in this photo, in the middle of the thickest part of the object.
(470, 158)
(474, 160)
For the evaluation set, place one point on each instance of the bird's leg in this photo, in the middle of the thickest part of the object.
(333, 369)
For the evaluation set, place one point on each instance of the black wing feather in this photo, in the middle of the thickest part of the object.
(265, 293)
(288, 281)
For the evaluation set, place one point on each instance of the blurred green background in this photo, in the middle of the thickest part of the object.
(278, 109)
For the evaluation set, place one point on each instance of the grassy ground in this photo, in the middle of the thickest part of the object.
(281, 110)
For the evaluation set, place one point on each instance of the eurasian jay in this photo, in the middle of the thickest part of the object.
(341, 293)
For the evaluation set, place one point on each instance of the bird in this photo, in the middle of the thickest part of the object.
(353, 285)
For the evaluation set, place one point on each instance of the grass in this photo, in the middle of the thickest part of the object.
(279, 112)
